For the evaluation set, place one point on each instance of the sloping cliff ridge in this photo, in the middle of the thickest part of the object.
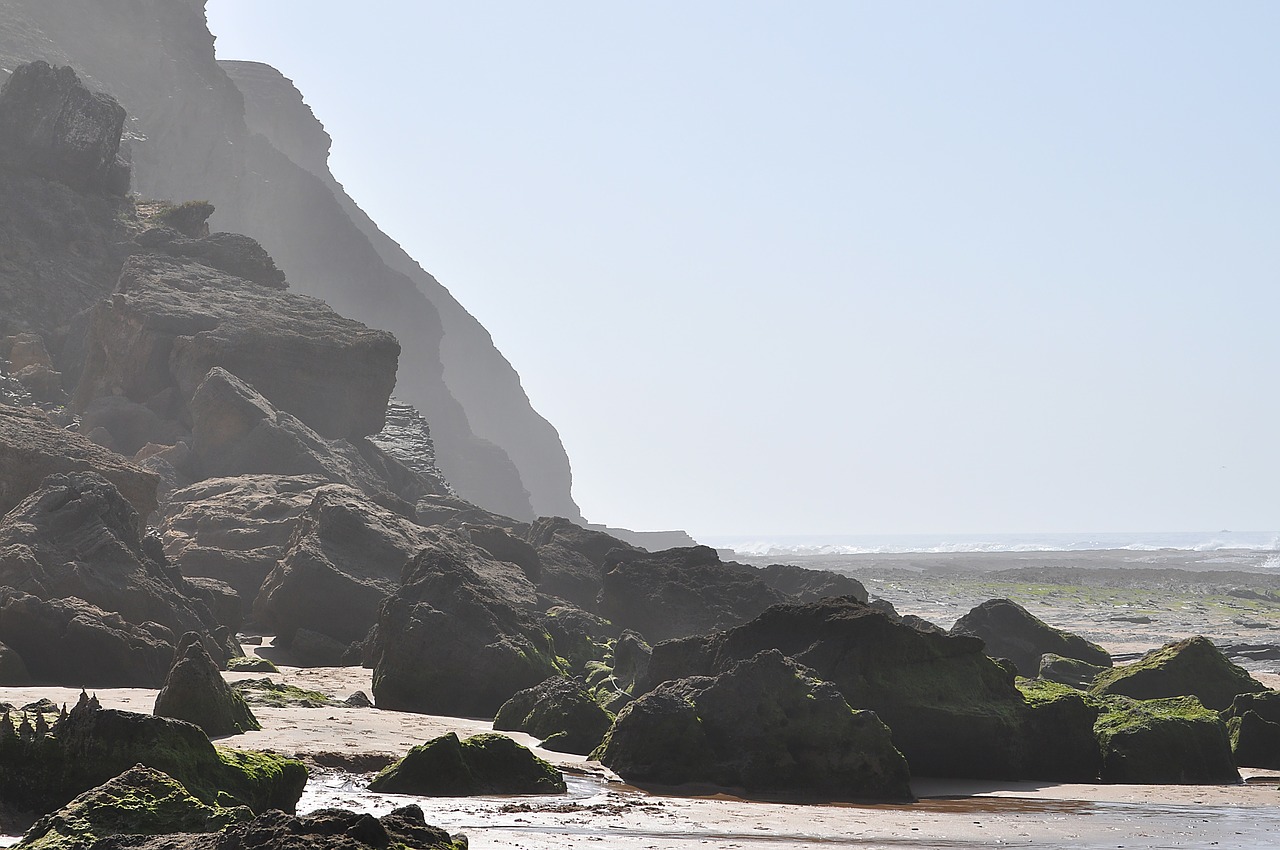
(194, 134)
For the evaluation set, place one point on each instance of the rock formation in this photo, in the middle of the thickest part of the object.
(1011, 631)
(1191, 667)
(1165, 742)
(559, 713)
(482, 764)
(766, 724)
(194, 691)
(1253, 722)
(1068, 671)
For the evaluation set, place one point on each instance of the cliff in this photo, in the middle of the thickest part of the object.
(190, 136)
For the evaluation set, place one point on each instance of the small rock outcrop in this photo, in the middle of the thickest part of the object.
(766, 725)
(233, 253)
(1191, 667)
(140, 801)
(1164, 742)
(1068, 671)
(460, 635)
(482, 764)
(1253, 722)
(557, 712)
(195, 691)
(406, 436)
(51, 125)
(1011, 631)
(571, 558)
(32, 448)
(680, 592)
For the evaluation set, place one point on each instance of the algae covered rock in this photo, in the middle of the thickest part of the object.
(1174, 741)
(1059, 732)
(559, 713)
(196, 692)
(1068, 671)
(251, 664)
(765, 725)
(1253, 722)
(1191, 667)
(482, 764)
(140, 801)
(1011, 631)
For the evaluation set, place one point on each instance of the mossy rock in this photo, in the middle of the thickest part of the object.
(558, 712)
(482, 764)
(1191, 667)
(1253, 723)
(279, 695)
(251, 664)
(1174, 741)
(141, 801)
(259, 780)
(1069, 671)
(195, 691)
(1058, 732)
(1011, 631)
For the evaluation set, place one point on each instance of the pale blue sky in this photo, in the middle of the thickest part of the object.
(881, 267)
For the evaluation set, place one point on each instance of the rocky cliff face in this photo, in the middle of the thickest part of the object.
(189, 139)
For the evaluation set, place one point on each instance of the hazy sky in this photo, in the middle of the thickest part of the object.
(885, 267)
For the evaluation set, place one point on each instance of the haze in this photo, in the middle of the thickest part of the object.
(840, 267)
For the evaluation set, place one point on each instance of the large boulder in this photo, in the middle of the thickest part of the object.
(32, 448)
(91, 745)
(557, 712)
(72, 643)
(571, 558)
(680, 592)
(78, 537)
(1163, 742)
(1011, 631)
(236, 529)
(172, 319)
(195, 691)
(482, 764)
(1190, 667)
(140, 801)
(766, 725)
(953, 710)
(1253, 722)
(346, 555)
(234, 253)
(460, 636)
(13, 670)
(51, 125)
(806, 585)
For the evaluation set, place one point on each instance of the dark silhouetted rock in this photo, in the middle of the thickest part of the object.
(78, 537)
(345, 556)
(1191, 667)
(460, 636)
(680, 592)
(72, 643)
(502, 545)
(631, 655)
(1164, 742)
(1058, 732)
(482, 764)
(32, 448)
(572, 559)
(51, 125)
(1068, 671)
(806, 585)
(13, 670)
(1011, 631)
(766, 724)
(194, 691)
(222, 600)
(580, 636)
(1253, 722)
(140, 801)
(557, 712)
(171, 320)
(237, 255)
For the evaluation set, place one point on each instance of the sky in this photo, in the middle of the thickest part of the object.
(841, 267)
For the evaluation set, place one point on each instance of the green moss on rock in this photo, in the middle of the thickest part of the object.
(1191, 667)
(1069, 671)
(279, 695)
(1174, 741)
(251, 664)
(482, 764)
(559, 712)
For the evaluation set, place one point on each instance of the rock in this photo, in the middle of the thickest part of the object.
(679, 592)
(580, 636)
(345, 556)
(482, 764)
(1058, 731)
(953, 711)
(1253, 723)
(13, 670)
(78, 537)
(358, 700)
(194, 691)
(406, 436)
(1191, 667)
(51, 125)
(236, 431)
(1011, 631)
(279, 695)
(572, 559)
(131, 425)
(1163, 742)
(459, 637)
(237, 255)
(631, 655)
(765, 725)
(140, 801)
(502, 545)
(557, 712)
(251, 664)
(172, 320)
(316, 649)
(222, 600)
(32, 448)
(1068, 671)
(92, 745)
(455, 512)
(72, 643)
(805, 585)
(236, 529)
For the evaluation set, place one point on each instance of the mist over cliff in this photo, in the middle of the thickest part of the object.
(240, 135)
